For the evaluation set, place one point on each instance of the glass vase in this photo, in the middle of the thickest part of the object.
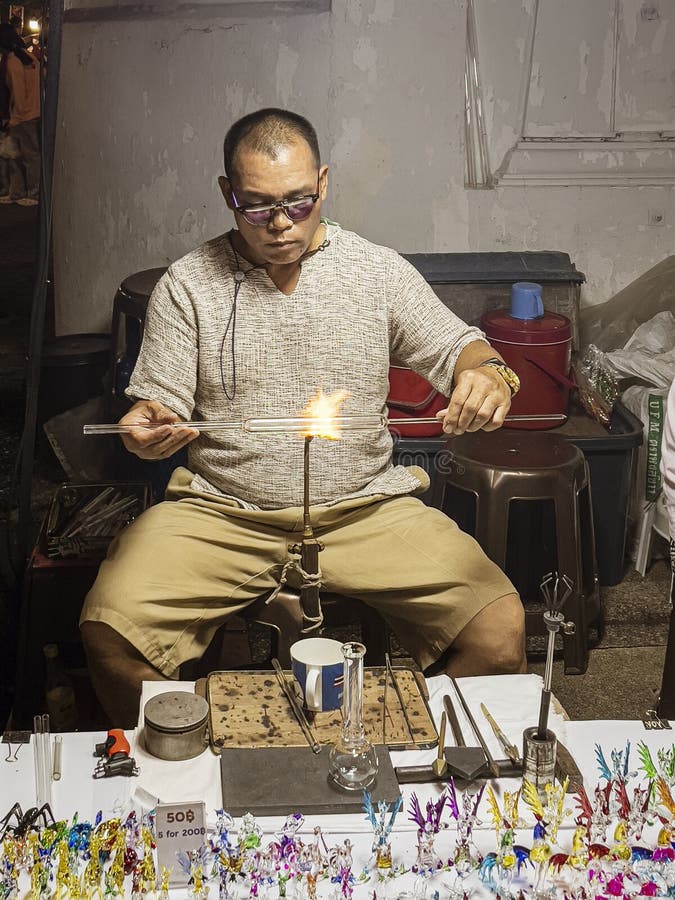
(352, 763)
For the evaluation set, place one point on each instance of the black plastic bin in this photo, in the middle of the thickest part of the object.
(610, 457)
(471, 284)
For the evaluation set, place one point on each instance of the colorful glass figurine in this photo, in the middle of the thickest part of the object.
(382, 822)
(165, 877)
(634, 814)
(620, 762)
(340, 862)
(665, 852)
(286, 850)
(9, 874)
(578, 858)
(466, 814)
(664, 766)
(193, 863)
(595, 816)
(228, 858)
(250, 833)
(428, 861)
(311, 862)
(509, 857)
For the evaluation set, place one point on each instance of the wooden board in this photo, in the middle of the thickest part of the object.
(249, 709)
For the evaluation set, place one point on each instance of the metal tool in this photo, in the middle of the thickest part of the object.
(554, 621)
(298, 711)
(454, 721)
(384, 711)
(399, 694)
(308, 550)
(566, 767)
(492, 765)
(439, 766)
(114, 756)
(425, 774)
(463, 762)
(510, 749)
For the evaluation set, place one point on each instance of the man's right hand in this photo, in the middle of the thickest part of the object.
(161, 441)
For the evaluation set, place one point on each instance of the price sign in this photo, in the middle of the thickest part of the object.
(179, 827)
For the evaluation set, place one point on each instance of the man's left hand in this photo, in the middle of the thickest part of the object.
(481, 399)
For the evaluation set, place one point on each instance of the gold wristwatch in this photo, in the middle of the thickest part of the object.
(506, 372)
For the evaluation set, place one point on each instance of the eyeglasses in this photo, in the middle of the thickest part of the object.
(262, 214)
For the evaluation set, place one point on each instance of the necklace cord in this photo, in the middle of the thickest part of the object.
(231, 324)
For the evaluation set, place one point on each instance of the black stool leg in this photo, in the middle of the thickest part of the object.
(666, 707)
(568, 542)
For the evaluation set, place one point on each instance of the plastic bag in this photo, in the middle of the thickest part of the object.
(650, 353)
(609, 325)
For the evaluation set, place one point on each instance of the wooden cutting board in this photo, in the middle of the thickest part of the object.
(249, 709)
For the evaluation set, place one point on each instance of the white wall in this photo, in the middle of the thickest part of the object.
(144, 104)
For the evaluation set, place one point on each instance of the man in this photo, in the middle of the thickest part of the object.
(251, 324)
(22, 74)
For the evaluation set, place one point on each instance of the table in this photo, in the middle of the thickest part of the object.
(513, 700)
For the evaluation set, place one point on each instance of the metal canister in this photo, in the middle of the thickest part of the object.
(175, 725)
(537, 345)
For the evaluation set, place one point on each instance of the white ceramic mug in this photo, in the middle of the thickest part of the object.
(318, 672)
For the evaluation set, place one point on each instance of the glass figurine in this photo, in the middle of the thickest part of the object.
(381, 829)
(465, 811)
(507, 860)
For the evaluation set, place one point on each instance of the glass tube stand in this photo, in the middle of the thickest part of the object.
(352, 763)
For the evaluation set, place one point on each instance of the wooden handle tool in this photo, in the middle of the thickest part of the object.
(439, 766)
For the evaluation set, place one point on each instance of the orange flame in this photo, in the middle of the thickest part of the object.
(321, 411)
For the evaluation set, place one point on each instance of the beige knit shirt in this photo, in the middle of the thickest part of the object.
(354, 304)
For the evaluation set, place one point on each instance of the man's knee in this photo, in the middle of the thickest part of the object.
(496, 635)
(102, 643)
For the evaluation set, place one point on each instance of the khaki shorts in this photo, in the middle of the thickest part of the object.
(174, 575)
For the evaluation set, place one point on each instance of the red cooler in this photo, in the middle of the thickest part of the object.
(537, 345)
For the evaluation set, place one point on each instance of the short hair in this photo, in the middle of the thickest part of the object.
(11, 42)
(267, 131)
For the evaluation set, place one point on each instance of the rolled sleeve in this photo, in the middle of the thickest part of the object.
(166, 369)
(424, 334)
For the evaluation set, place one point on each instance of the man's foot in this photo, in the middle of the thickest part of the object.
(6, 199)
(27, 201)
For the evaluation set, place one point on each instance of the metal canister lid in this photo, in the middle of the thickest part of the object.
(175, 712)
(551, 328)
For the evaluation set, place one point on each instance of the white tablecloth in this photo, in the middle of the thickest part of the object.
(513, 701)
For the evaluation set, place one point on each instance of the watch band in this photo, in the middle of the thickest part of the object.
(505, 371)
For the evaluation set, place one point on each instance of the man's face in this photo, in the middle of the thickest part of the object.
(261, 179)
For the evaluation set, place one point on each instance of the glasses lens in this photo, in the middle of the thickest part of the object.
(300, 209)
(296, 210)
(258, 216)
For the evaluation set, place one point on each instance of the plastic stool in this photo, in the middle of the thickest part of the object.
(503, 466)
